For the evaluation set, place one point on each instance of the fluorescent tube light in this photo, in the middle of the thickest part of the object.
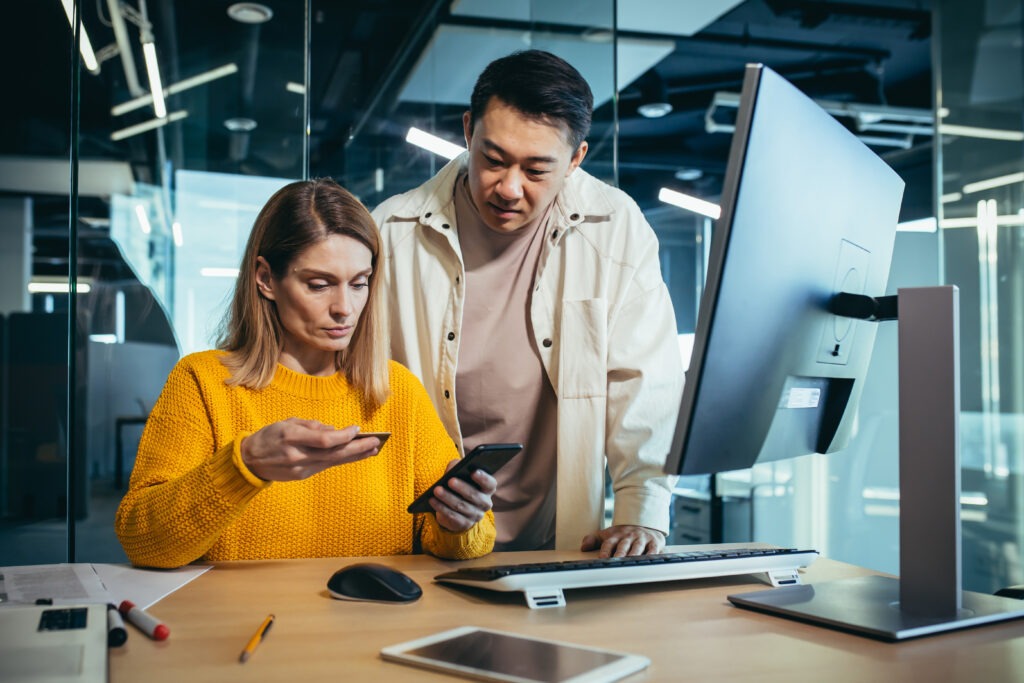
(175, 88)
(218, 272)
(147, 125)
(103, 338)
(998, 181)
(685, 201)
(140, 212)
(179, 239)
(432, 143)
(1006, 220)
(920, 225)
(155, 88)
(56, 288)
(976, 132)
(952, 197)
(85, 46)
(297, 88)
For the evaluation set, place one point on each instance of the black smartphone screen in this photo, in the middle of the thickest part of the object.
(489, 457)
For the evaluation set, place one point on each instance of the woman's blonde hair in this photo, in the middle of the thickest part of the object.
(298, 216)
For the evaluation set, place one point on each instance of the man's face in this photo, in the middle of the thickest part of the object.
(517, 165)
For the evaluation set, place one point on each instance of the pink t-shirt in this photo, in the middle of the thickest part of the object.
(503, 393)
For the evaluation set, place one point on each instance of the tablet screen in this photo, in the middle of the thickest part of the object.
(510, 657)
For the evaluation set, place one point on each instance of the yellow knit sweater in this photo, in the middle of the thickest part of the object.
(191, 497)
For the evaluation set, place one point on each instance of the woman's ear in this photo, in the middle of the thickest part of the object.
(264, 278)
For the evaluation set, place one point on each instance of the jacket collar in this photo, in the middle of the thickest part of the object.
(582, 199)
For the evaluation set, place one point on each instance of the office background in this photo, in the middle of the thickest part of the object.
(143, 216)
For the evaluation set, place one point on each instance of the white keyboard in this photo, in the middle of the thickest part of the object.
(542, 583)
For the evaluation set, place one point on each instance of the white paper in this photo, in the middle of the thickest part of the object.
(61, 583)
(89, 583)
(145, 587)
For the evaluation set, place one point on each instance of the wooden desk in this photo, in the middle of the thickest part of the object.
(688, 629)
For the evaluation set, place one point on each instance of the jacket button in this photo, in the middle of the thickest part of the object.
(546, 343)
(554, 235)
(451, 336)
(445, 226)
(574, 217)
(446, 394)
(428, 214)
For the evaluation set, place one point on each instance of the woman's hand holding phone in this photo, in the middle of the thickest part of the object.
(462, 496)
(464, 503)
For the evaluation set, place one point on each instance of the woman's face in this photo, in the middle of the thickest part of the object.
(319, 300)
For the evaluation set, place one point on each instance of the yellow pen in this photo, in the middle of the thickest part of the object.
(257, 638)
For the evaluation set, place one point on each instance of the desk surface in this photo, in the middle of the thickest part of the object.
(688, 630)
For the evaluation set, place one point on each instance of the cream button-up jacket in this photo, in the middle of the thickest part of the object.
(604, 326)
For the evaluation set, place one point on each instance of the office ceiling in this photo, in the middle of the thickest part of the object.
(371, 60)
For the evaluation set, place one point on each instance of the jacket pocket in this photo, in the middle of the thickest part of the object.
(583, 349)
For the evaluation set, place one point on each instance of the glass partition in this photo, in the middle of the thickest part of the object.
(38, 507)
(981, 216)
(258, 94)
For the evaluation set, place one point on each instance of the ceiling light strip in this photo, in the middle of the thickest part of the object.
(1008, 220)
(156, 89)
(57, 288)
(147, 125)
(432, 143)
(976, 132)
(992, 183)
(218, 272)
(175, 88)
(919, 225)
(85, 45)
(685, 201)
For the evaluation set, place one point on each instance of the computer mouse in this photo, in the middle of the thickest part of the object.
(372, 582)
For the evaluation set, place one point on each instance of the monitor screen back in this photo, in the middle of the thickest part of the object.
(807, 211)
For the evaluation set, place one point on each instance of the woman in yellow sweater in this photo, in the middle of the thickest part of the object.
(252, 451)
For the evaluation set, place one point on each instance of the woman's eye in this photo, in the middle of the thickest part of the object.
(318, 286)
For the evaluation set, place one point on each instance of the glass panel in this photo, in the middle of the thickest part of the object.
(982, 190)
(840, 504)
(34, 249)
(234, 83)
(421, 73)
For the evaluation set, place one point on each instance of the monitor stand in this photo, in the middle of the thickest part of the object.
(927, 598)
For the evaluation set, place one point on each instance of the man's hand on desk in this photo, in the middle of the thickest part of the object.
(623, 540)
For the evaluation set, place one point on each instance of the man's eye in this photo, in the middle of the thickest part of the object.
(537, 172)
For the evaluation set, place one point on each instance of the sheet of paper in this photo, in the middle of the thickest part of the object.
(144, 587)
(62, 583)
(85, 583)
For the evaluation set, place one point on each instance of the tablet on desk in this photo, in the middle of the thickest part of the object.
(489, 655)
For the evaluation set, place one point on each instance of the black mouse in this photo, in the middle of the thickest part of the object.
(372, 582)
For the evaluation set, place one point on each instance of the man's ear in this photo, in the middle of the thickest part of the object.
(577, 158)
(264, 278)
(467, 127)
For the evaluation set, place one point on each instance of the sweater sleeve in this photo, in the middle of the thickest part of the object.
(183, 494)
(434, 449)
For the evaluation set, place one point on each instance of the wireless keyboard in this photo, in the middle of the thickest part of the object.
(542, 583)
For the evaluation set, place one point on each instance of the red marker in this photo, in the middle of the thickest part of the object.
(144, 621)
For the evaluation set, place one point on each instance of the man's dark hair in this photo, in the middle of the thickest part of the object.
(540, 85)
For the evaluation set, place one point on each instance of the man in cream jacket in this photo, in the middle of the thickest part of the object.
(527, 296)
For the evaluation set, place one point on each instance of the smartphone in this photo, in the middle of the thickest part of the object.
(489, 655)
(383, 436)
(489, 457)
